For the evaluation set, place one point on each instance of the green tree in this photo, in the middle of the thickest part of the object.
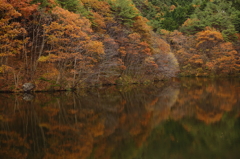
(174, 19)
(43, 3)
(217, 14)
(236, 20)
(125, 11)
(166, 14)
(71, 5)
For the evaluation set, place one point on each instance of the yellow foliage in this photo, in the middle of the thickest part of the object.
(10, 12)
(5, 68)
(45, 125)
(208, 38)
(95, 47)
(99, 6)
(190, 22)
(50, 57)
(164, 32)
(172, 7)
(99, 20)
(9, 30)
(43, 58)
(140, 26)
(196, 6)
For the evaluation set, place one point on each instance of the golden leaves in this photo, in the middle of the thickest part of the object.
(196, 59)
(95, 47)
(140, 26)
(9, 30)
(8, 9)
(25, 7)
(99, 20)
(172, 7)
(72, 46)
(50, 57)
(122, 51)
(5, 68)
(208, 38)
(134, 37)
(101, 7)
(190, 22)
(205, 53)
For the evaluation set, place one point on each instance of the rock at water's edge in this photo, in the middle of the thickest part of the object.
(28, 87)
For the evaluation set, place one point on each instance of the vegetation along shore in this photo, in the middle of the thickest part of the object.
(69, 44)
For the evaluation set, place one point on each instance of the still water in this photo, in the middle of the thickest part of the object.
(185, 119)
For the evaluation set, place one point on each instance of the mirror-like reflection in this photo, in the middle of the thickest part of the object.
(181, 119)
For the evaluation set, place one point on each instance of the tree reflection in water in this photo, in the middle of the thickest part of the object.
(197, 117)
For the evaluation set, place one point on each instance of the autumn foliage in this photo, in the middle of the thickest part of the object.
(58, 45)
(204, 54)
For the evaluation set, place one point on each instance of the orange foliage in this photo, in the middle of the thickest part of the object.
(140, 26)
(101, 7)
(70, 40)
(205, 54)
(208, 38)
(122, 51)
(24, 7)
(196, 59)
(95, 49)
(99, 20)
(69, 36)
(224, 58)
(10, 45)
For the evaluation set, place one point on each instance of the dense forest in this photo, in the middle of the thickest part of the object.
(67, 44)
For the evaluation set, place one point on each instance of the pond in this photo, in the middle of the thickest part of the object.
(184, 118)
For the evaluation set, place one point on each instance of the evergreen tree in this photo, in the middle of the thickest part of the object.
(236, 21)
(125, 10)
(217, 14)
(166, 14)
(174, 19)
(71, 5)
(43, 3)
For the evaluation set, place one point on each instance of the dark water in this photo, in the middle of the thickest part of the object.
(184, 119)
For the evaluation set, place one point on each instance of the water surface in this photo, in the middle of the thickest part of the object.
(187, 118)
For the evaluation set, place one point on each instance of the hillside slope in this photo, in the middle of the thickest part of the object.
(59, 45)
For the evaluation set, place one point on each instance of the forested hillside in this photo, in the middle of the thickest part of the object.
(203, 34)
(67, 44)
